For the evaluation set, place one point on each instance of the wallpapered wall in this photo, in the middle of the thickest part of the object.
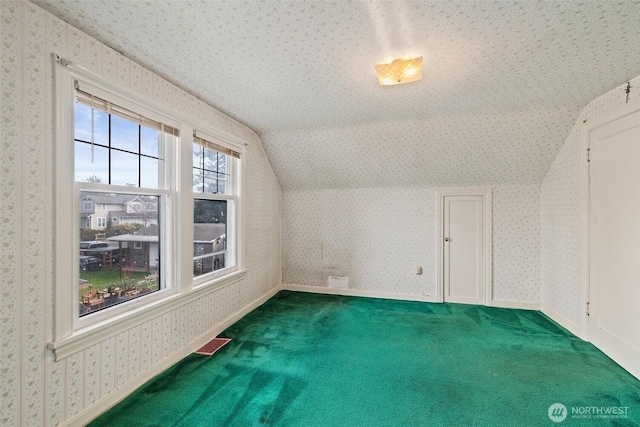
(491, 147)
(560, 213)
(36, 390)
(378, 238)
(375, 236)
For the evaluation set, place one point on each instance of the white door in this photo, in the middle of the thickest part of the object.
(463, 249)
(614, 276)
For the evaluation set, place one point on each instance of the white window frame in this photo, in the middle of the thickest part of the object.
(232, 199)
(71, 335)
(85, 204)
(68, 190)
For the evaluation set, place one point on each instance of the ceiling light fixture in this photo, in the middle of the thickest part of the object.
(399, 71)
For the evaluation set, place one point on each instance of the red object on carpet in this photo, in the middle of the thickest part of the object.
(212, 346)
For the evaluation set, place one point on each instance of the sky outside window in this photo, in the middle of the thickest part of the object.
(122, 151)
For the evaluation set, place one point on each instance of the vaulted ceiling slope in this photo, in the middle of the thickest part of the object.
(503, 80)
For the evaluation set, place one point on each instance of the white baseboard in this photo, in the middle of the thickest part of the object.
(397, 296)
(92, 412)
(357, 293)
(572, 327)
(515, 304)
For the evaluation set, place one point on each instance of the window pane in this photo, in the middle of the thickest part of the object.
(124, 168)
(197, 181)
(100, 127)
(120, 262)
(222, 184)
(209, 176)
(222, 162)
(208, 263)
(210, 182)
(149, 141)
(209, 235)
(210, 160)
(150, 172)
(83, 125)
(124, 134)
(197, 156)
(82, 117)
(88, 170)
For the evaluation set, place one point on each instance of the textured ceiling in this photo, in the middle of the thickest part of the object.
(503, 81)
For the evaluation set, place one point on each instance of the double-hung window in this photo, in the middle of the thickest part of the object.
(115, 159)
(215, 194)
(126, 169)
(122, 163)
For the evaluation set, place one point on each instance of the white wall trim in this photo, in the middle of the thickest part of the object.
(114, 398)
(396, 296)
(522, 305)
(487, 231)
(572, 327)
(357, 293)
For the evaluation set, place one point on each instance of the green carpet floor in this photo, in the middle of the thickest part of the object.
(322, 360)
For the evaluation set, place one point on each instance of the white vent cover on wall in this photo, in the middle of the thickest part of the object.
(337, 282)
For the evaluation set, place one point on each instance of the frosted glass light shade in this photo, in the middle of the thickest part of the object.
(399, 71)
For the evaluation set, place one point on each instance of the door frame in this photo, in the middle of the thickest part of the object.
(585, 205)
(487, 227)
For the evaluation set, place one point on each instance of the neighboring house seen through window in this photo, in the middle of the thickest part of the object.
(215, 194)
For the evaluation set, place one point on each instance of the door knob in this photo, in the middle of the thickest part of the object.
(447, 239)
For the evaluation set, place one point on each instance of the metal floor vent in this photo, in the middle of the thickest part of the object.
(212, 346)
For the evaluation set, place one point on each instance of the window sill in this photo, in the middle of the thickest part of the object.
(95, 334)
